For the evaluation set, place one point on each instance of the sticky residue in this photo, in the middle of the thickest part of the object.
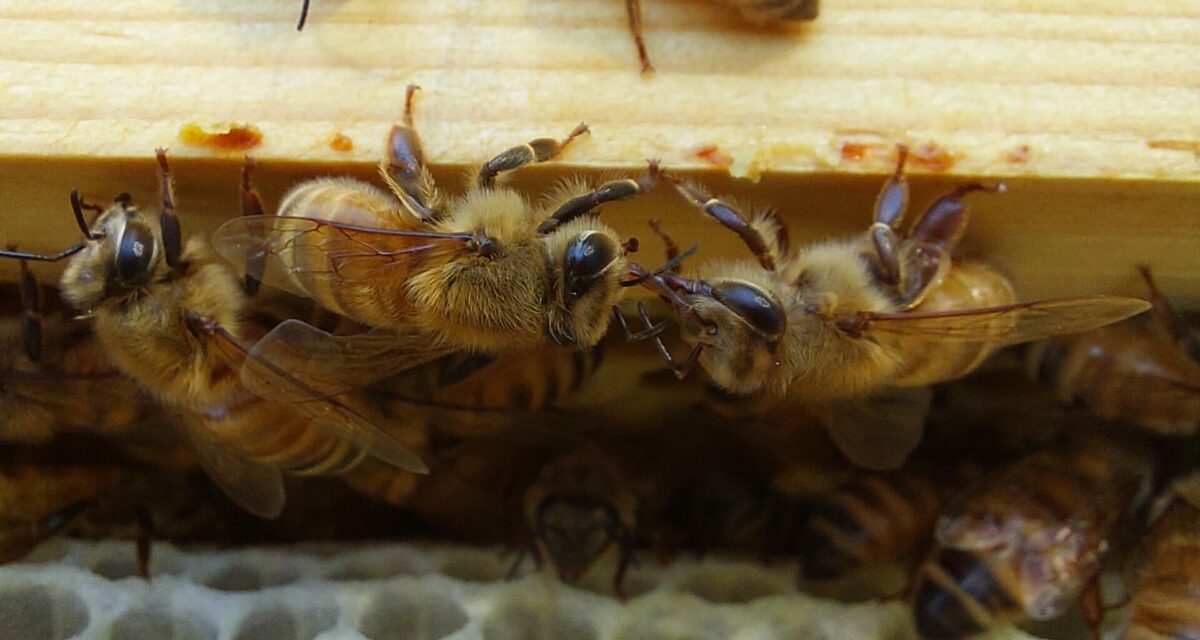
(1190, 146)
(931, 156)
(855, 151)
(713, 155)
(231, 137)
(341, 142)
(1019, 155)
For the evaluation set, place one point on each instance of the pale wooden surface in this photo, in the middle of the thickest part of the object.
(1092, 109)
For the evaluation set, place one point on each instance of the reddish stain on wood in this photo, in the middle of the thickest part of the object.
(932, 157)
(713, 155)
(1019, 155)
(237, 137)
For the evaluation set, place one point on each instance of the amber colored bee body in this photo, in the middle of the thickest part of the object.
(1162, 574)
(1127, 372)
(169, 315)
(858, 326)
(868, 521)
(1025, 543)
(487, 272)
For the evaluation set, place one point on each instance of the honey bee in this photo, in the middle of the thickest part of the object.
(579, 511)
(1164, 572)
(1127, 371)
(38, 501)
(868, 521)
(169, 315)
(1024, 544)
(439, 275)
(758, 12)
(69, 386)
(859, 326)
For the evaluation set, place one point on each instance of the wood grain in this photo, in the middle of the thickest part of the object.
(1090, 109)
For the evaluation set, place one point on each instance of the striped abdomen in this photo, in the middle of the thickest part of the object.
(1122, 372)
(273, 434)
(1166, 583)
(359, 289)
(967, 285)
(1026, 542)
(525, 381)
(869, 521)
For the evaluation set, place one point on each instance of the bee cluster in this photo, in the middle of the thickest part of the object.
(374, 362)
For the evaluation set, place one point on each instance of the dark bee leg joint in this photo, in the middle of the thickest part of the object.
(251, 206)
(934, 235)
(731, 219)
(409, 178)
(145, 539)
(536, 150)
(633, 9)
(171, 235)
(607, 192)
(890, 208)
(31, 320)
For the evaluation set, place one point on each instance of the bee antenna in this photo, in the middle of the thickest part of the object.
(77, 206)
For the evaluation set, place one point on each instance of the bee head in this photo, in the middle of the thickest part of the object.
(121, 254)
(575, 531)
(589, 262)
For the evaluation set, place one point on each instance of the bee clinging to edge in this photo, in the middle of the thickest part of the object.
(170, 316)
(859, 325)
(486, 273)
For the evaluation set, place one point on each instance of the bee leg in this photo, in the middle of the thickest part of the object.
(633, 9)
(668, 242)
(890, 208)
(516, 565)
(933, 236)
(303, 16)
(733, 220)
(536, 150)
(638, 336)
(405, 171)
(1165, 314)
(681, 371)
(171, 234)
(31, 315)
(145, 539)
(251, 206)
(607, 192)
(625, 553)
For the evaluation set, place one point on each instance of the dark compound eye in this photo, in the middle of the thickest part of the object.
(586, 259)
(135, 254)
(757, 307)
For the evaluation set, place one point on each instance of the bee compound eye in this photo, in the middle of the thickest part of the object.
(135, 254)
(586, 259)
(758, 308)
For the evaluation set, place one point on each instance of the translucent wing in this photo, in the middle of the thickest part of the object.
(266, 373)
(335, 365)
(879, 432)
(1004, 325)
(297, 253)
(255, 486)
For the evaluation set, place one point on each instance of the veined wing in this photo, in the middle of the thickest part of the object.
(1003, 325)
(297, 253)
(272, 380)
(334, 365)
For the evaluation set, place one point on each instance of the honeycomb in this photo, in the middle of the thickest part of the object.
(89, 590)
